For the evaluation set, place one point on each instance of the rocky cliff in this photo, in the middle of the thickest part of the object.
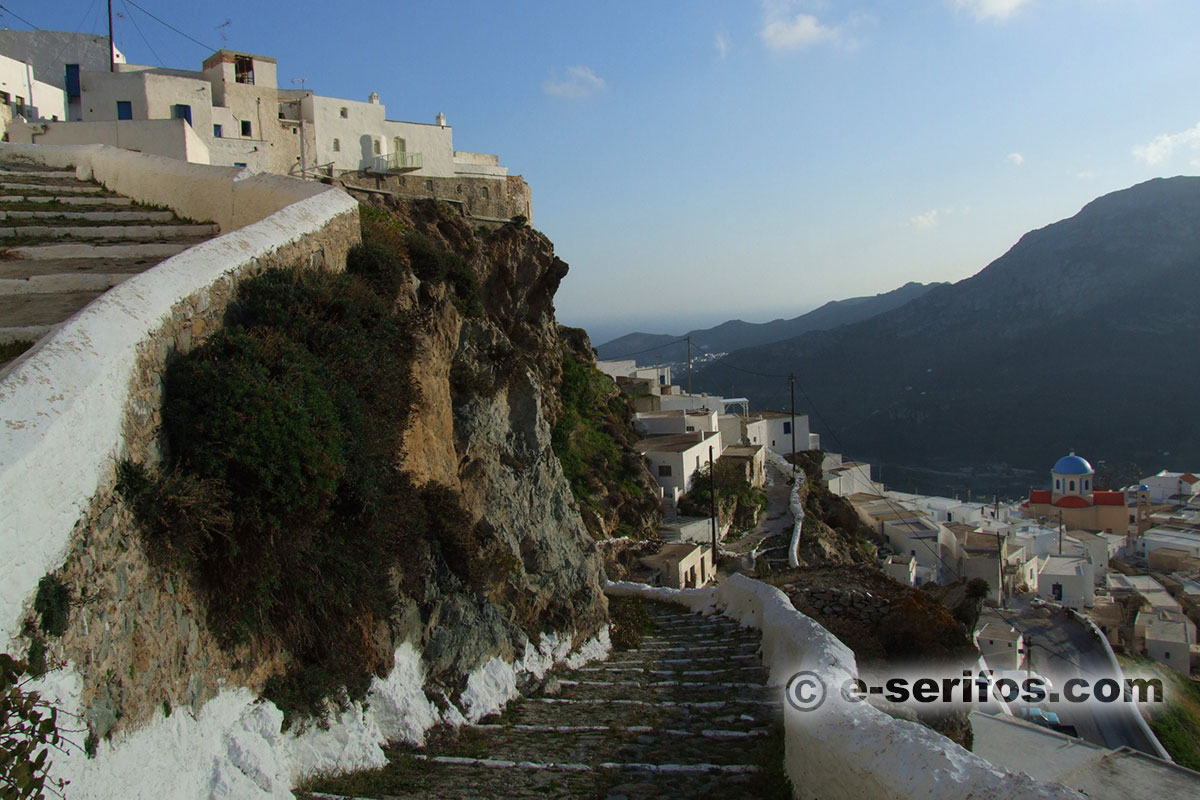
(482, 552)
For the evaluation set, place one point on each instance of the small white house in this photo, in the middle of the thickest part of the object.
(682, 565)
(1067, 579)
(23, 95)
(902, 568)
(1001, 646)
(1169, 638)
(675, 460)
(779, 434)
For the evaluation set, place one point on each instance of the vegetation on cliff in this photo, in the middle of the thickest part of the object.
(739, 503)
(593, 438)
(282, 499)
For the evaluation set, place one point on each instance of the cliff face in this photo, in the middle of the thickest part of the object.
(514, 563)
(489, 385)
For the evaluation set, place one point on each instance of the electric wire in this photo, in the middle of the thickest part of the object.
(172, 27)
(27, 22)
(138, 28)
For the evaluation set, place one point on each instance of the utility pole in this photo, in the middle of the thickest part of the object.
(1060, 527)
(792, 379)
(112, 55)
(712, 478)
(1000, 560)
(689, 341)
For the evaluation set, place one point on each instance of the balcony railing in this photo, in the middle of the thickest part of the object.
(398, 162)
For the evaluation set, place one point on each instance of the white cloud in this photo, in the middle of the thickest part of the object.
(1162, 148)
(933, 217)
(787, 27)
(579, 82)
(929, 219)
(721, 43)
(1016, 159)
(1085, 175)
(998, 10)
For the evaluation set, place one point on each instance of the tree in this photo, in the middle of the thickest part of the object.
(28, 731)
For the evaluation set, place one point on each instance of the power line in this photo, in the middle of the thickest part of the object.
(138, 28)
(647, 350)
(27, 22)
(172, 27)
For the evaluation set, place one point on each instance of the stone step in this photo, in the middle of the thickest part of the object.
(65, 174)
(697, 716)
(11, 187)
(664, 691)
(70, 201)
(29, 310)
(145, 233)
(61, 251)
(595, 745)
(29, 268)
(412, 777)
(90, 216)
(66, 282)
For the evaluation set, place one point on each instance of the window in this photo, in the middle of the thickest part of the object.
(483, 193)
(691, 428)
(180, 111)
(239, 163)
(399, 145)
(124, 109)
(243, 69)
(337, 145)
(246, 130)
(375, 145)
(664, 471)
(343, 112)
(1057, 484)
(787, 427)
(216, 131)
(4, 98)
(429, 186)
(1072, 487)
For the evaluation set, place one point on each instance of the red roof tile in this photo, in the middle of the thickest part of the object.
(1072, 501)
(1108, 498)
(1039, 495)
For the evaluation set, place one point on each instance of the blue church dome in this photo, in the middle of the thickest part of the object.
(1072, 465)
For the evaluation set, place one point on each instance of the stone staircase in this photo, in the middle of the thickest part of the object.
(686, 714)
(64, 242)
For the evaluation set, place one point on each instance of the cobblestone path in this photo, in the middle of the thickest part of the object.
(684, 715)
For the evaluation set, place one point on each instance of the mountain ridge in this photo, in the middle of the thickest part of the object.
(650, 348)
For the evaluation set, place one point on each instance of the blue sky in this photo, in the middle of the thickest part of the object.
(700, 161)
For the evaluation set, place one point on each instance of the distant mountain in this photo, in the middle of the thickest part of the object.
(655, 348)
(1083, 335)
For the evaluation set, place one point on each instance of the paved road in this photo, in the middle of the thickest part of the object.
(1063, 648)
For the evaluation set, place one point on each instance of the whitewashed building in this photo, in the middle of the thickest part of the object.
(24, 97)
(1001, 646)
(675, 460)
(1068, 580)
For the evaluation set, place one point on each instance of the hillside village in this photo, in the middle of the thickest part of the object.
(519, 627)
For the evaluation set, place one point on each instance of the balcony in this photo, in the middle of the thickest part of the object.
(397, 162)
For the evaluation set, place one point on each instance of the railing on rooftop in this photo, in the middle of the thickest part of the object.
(398, 162)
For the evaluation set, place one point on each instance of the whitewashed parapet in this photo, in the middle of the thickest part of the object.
(64, 406)
(794, 504)
(846, 750)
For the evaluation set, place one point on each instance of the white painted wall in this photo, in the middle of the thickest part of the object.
(169, 138)
(779, 436)
(42, 100)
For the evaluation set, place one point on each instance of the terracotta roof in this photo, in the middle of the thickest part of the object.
(1072, 501)
(1039, 495)
(1108, 498)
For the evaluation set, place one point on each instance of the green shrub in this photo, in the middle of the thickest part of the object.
(28, 732)
(433, 263)
(380, 228)
(378, 266)
(281, 498)
(629, 621)
(53, 605)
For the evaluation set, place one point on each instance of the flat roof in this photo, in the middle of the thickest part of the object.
(741, 450)
(1101, 773)
(673, 443)
(1065, 565)
(778, 414)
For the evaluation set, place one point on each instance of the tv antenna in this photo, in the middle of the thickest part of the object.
(300, 81)
(224, 29)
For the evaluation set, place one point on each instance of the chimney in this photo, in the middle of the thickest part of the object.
(373, 98)
(441, 120)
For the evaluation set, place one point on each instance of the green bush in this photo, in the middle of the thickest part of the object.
(580, 439)
(378, 266)
(629, 622)
(281, 498)
(53, 605)
(28, 732)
